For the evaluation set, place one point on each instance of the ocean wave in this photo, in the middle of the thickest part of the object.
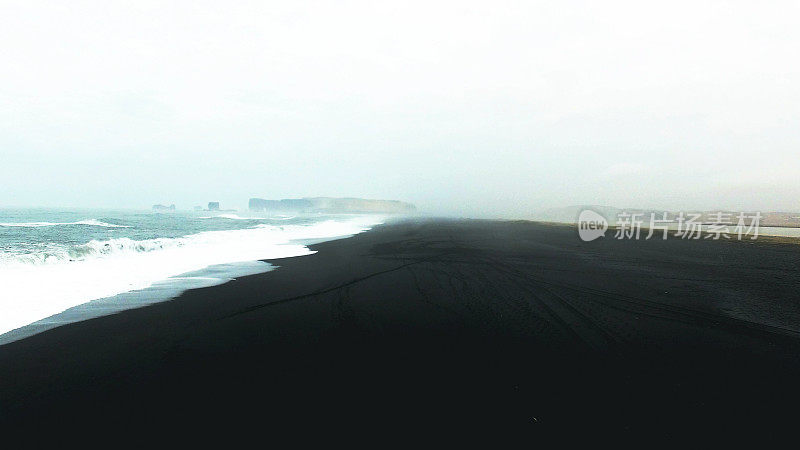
(91, 249)
(232, 217)
(89, 222)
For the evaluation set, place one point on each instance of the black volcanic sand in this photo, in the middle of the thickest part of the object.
(443, 322)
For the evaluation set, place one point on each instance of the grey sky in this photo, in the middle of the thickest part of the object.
(466, 108)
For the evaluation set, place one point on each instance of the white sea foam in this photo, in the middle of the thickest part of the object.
(89, 222)
(39, 285)
(233, 217)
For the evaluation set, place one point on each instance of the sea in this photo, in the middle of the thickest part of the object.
(59, 266)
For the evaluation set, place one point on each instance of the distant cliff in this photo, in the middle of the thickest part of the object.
(331, 205)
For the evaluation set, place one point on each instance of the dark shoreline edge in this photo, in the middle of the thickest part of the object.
(443, 321)
(160, 291)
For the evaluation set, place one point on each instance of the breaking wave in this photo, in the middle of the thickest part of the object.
(233, 217)
(89, 222)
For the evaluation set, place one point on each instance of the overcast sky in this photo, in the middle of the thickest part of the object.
(465, 108)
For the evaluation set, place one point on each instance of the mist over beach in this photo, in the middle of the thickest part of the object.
(461, 108)
(571, 219)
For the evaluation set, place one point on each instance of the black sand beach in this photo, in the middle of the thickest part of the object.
(443, 322)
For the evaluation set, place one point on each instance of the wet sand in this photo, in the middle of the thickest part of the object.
(443, 322)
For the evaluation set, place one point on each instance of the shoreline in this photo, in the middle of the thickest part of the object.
(160, 291)
(43, 296)
(511, 323)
